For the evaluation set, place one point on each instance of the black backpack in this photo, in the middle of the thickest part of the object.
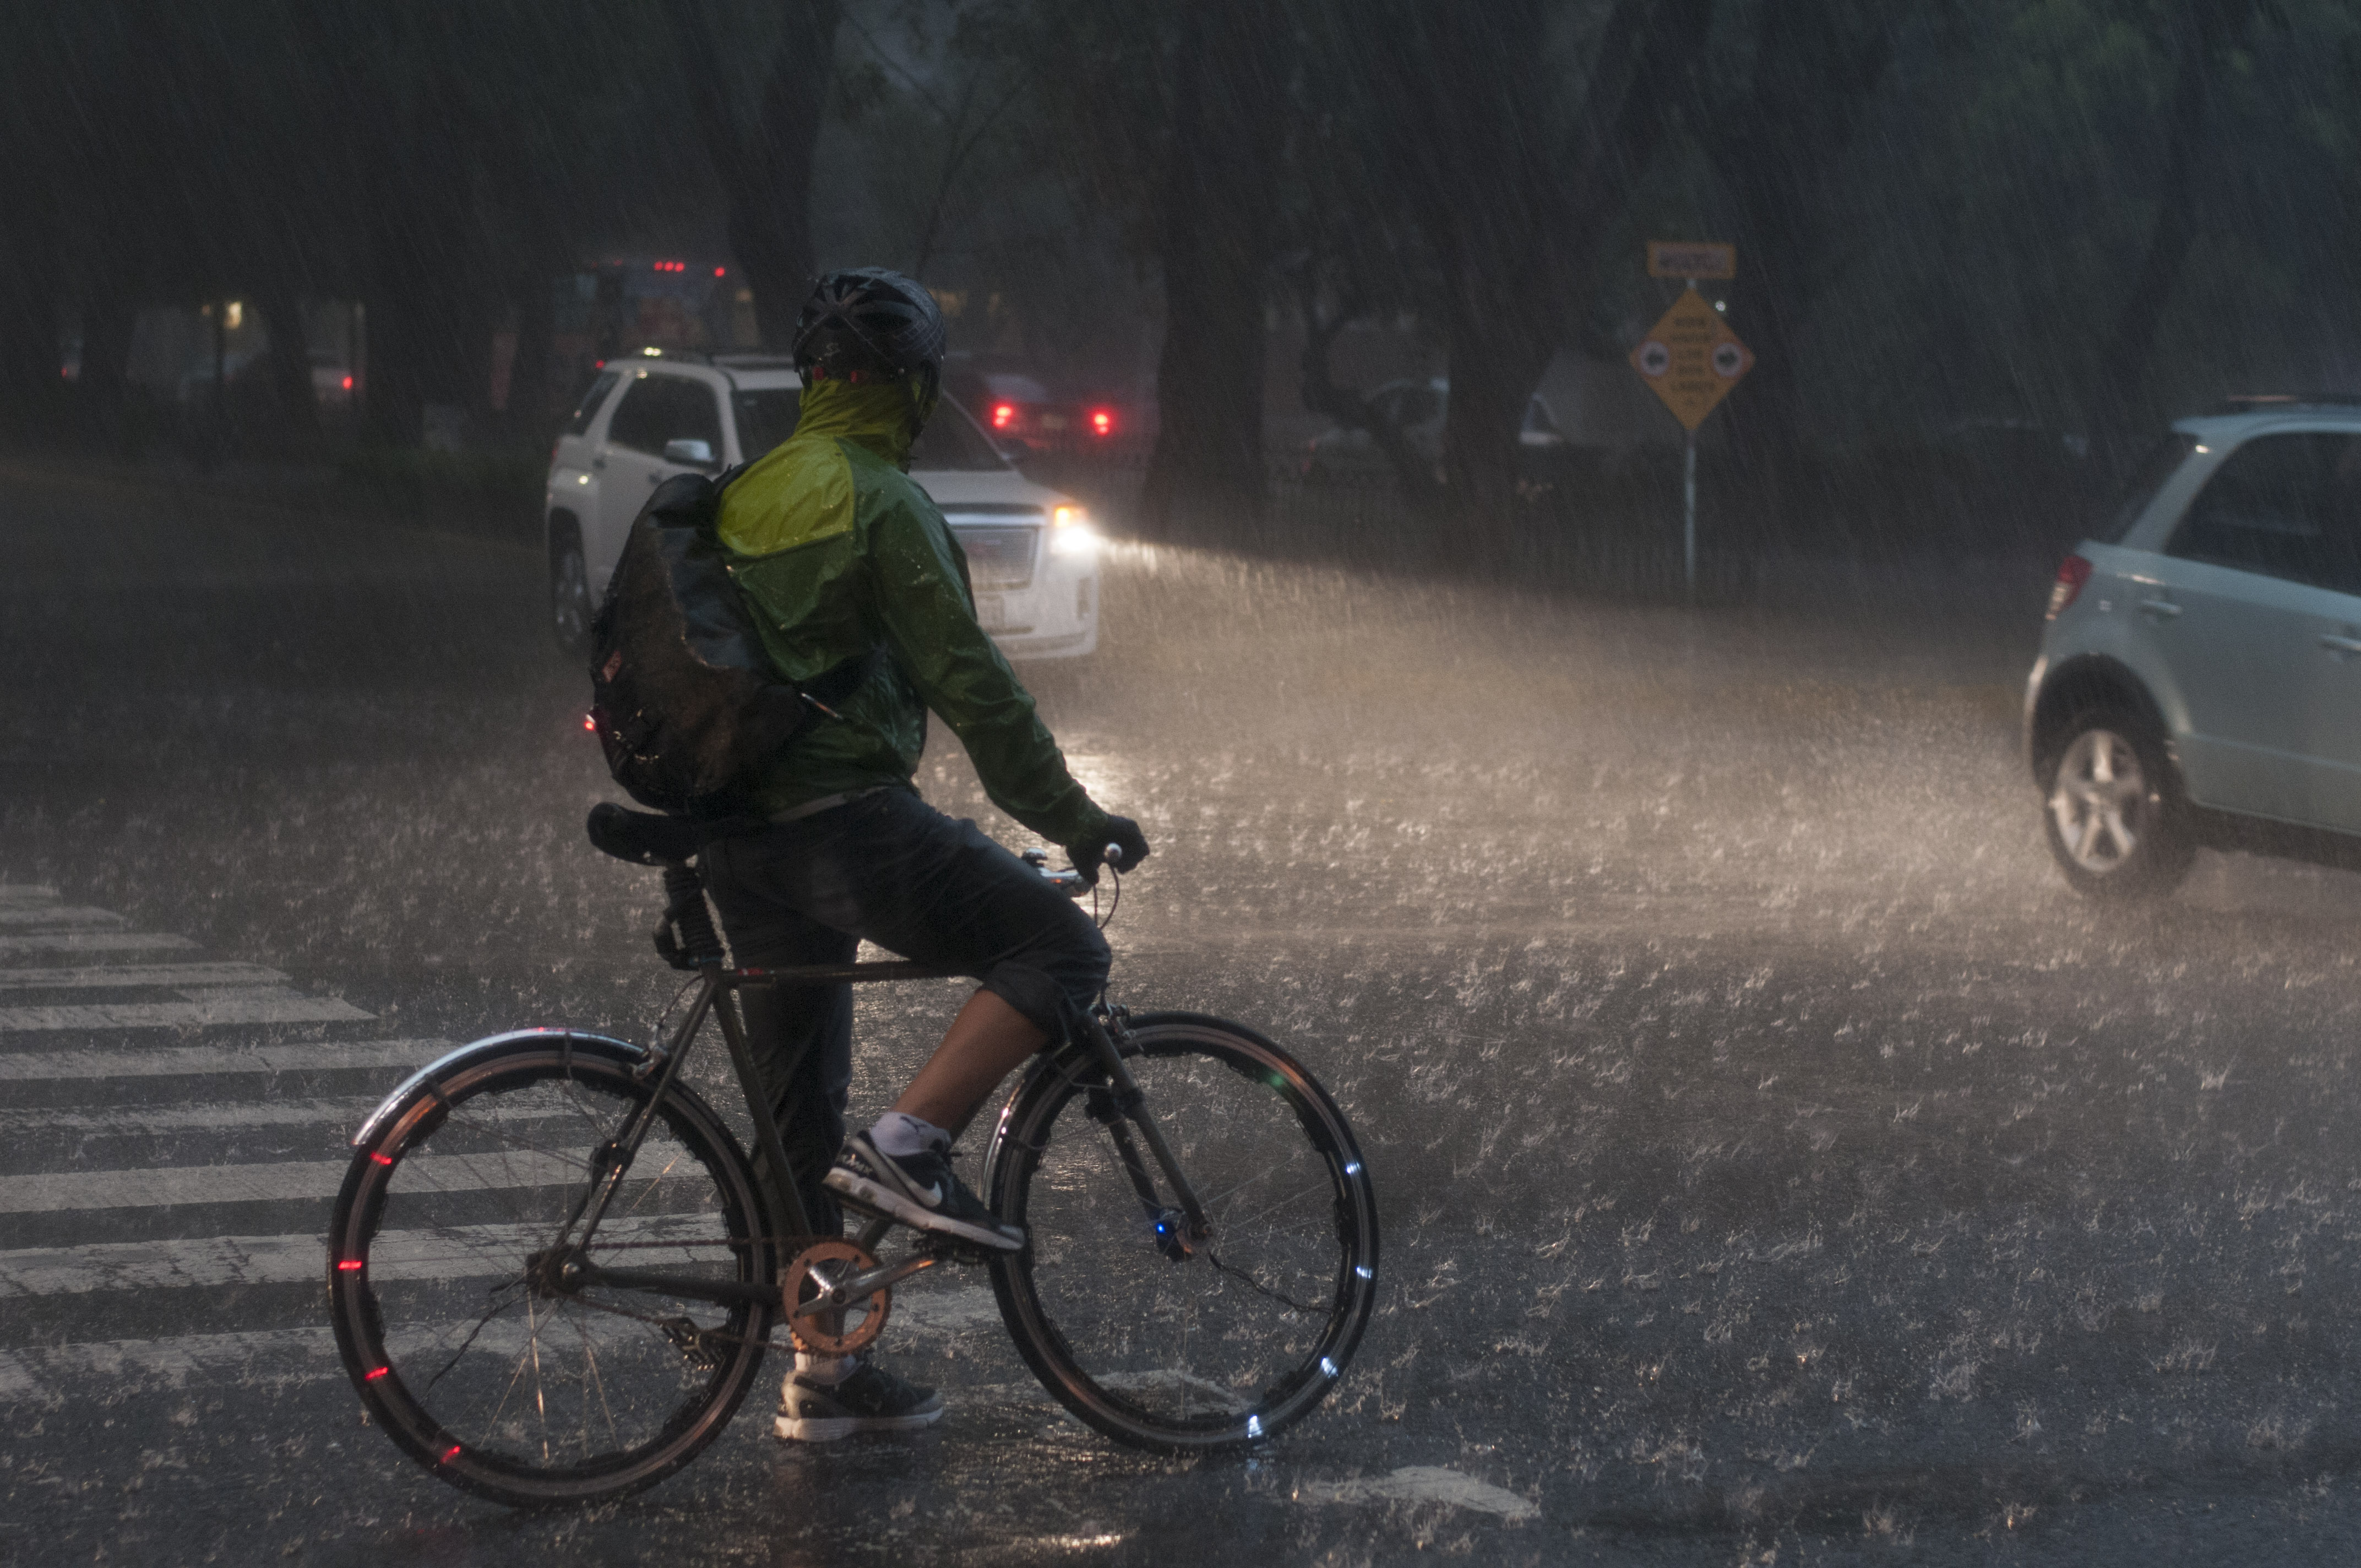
(686, 702)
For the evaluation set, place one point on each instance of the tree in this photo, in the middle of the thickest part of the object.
(763, 158)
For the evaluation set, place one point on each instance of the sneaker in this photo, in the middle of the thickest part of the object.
(920, 1191)
(868, 1399)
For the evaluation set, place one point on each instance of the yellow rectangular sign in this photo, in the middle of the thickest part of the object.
(1678, 258)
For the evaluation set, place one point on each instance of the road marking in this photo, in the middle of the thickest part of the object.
(267, 1004)
(463, 1252)
(208, 1061)
(1423, 1484)
(56, 914)
(150, 1121)
(26, 893)
(51, 1192)
(93, 976)
(93, 942)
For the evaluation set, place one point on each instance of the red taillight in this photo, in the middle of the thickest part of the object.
(348, 383)
(1103, 421)
(2072, 573)
(1003, 415)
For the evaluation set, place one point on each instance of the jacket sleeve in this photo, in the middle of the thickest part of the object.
(927, 616)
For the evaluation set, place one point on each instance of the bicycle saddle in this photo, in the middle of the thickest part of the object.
(650, 840)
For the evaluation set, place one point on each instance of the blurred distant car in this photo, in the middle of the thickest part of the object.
(2199, 678)
(1024, 416)
(1418, 410)
(1032, 554)
(332, 383)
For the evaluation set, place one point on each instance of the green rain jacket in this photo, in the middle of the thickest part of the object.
(838, 553)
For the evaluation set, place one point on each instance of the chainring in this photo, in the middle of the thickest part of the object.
(821, 1263)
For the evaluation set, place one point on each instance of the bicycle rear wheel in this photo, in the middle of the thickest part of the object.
(478, 1356)
(1245, 1336)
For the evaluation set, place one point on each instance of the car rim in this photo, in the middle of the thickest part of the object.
(2098, 800)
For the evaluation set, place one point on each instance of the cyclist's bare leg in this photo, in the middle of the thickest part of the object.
(985, 1042)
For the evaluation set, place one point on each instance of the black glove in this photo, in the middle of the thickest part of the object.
(1123, 834)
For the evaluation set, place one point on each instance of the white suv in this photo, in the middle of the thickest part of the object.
(2200, 681)
(1032, 556)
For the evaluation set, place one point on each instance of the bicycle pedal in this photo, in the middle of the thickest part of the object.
(695, 1345)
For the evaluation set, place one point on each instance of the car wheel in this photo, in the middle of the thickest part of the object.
(2113, 809)
(570, 594)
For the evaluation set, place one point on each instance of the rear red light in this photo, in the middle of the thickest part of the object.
(1103, 421)
(1003, 415)
(348, 383)
(2072, 573)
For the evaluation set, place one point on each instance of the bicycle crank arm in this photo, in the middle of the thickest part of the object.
(863, 1284)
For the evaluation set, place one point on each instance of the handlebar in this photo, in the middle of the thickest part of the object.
(1070, 882)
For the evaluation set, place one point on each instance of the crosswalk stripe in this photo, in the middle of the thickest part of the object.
(469, 1251)
(261, 1356)
(221, 1117)
(56, 914)
(94, 942)
(271, 1004)
(52, 1192)
(206, 1062)
(89, 977)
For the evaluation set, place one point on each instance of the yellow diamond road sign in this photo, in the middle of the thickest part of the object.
(1691, 358)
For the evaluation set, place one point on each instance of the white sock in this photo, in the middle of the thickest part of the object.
(828, 1371)
(898, 1133)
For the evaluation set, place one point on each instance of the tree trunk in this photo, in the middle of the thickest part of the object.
(30, 384)
(2133, 339)
(529, 373)
(107, 324)
(290, 365)
(1219, 211)
(765, 169)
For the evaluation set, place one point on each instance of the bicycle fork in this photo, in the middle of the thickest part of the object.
(1119, 1105)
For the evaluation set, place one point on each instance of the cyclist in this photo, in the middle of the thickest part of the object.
(848, 568)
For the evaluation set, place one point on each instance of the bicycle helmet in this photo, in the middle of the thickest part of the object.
(869, 321)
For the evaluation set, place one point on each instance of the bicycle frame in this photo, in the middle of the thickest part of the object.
(1119, 1102)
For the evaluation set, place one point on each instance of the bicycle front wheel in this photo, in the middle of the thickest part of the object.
(481, 1352)
(1230, 1341)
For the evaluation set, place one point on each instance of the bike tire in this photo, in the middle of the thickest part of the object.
(545, 1395)
(1248, 1335)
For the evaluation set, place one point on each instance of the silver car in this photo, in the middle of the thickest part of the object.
(2200, 679)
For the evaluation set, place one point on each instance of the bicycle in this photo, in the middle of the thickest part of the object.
(554, 1269)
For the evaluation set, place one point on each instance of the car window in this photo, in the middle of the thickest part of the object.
(660, 409)
(2162, 462)
(952, 442)
(2288, 506)
(588, 409)
(1537, 418)
(765, 417)
(1018, 388)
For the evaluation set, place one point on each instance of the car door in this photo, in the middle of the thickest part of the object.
(2328, 627)
(657, 408)
(2228, 608)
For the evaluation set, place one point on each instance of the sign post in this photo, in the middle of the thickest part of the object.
(1691, 359)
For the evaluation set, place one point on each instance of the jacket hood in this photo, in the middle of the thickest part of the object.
(883, 417)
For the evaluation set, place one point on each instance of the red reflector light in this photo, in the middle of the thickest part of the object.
(722, 272)
(380, 1158)
(590, 724)
(451, 1454)
(1103, 421)
(1003, 415)
(2072, 573)
(351, 1266)
(373, 1376)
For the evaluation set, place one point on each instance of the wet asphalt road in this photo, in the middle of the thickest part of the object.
(1778, 1163)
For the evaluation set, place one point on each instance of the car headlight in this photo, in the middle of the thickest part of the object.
(1071, 533)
